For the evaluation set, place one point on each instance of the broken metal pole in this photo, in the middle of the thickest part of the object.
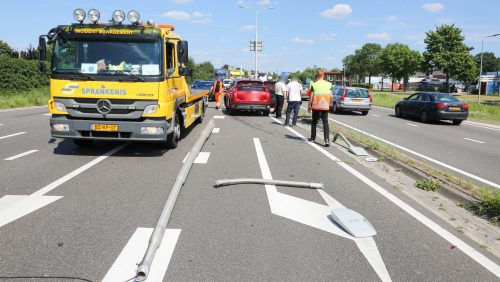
(157, 235)
(298, 184)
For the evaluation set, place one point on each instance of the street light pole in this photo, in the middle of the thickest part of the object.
(256, 35)
(481, 68)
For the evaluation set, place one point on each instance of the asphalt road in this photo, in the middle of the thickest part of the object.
(88, 210)
(468, 147)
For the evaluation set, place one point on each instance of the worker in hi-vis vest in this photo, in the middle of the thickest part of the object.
(319, 103)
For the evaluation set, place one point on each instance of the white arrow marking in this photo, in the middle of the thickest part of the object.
(216, 130)
(316, 215)
(124, 267)
(13, 207)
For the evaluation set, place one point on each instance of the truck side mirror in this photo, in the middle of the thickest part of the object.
(182, 52)
(42, 48)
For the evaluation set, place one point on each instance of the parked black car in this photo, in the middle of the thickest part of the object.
(429, 106)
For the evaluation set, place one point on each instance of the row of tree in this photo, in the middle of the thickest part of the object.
(445, 51)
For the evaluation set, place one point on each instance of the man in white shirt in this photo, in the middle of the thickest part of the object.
(280, 90)
(294, 99)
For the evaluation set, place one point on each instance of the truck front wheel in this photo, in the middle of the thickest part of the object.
(175, 135)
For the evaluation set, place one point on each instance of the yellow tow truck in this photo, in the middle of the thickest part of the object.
(119, 81)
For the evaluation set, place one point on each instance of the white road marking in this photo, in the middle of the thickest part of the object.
(13, 207)
(47, 114)
(22, 108)
(411, 124)
(1, 123)
(216, 130)
(125, 265)
(485, 181)
(316, 215)
(11, 135)
(202, 158)
(375, 115)
(480, 126)
(219, 117)
(20, 155)
(464, 247)
(77, 171)
(477, 141)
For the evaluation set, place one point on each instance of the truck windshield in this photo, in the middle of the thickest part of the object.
(107, 57)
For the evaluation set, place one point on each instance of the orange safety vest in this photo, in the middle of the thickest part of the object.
(321, 96)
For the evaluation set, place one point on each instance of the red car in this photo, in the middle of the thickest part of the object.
(248, 95)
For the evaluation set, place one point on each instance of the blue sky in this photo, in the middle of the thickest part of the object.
(296, 34)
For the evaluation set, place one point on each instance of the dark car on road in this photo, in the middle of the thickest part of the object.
(205, 85)
(248, 95)
(348, 99)
(430, 106)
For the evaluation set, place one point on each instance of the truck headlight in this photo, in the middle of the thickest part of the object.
(152, 130)
(133, 17)
(118, 16)
(60, 107)
(94, 15)
(79, 15)
(150, 109)
(60, 127)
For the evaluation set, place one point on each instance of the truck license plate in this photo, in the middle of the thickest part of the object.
(104, 127)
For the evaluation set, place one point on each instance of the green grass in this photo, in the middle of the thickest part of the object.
(489, 206)
(488, 110)
(23, 98)
(427, 184)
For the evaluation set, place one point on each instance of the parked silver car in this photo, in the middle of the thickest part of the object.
(351, 99)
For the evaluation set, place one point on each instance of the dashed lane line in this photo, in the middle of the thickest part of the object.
(411, 124)
(12, 135)
(473, 140)
(216, 130)
(202, 158)
(464, 247)
(20, 155)
(219, 117)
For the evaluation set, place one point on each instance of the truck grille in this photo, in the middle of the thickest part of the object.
(86, 108)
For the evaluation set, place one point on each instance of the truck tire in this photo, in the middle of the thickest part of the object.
(175, 135)
(83, 142)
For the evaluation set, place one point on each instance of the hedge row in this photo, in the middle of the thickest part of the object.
(362, 85)
(20, 74)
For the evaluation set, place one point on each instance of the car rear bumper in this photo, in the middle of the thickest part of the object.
(354, 107)
(452, 115)
(127, 130)
(251, 106)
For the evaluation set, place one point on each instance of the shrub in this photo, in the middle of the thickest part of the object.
(489, 206)
(362, 85)
(20, 74)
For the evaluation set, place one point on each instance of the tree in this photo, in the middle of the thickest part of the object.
(367, 59)
(490, 61)
(5, 48)
(447, 52)
(399, 61)
(350, 67)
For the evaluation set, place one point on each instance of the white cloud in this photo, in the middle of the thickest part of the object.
(264, 2)
(181, 1)
(338, 11)
(195, 18)
(328, 36)
(382, 36)
(247, 27)
(392, 18)
(299, 40)
(433, 7)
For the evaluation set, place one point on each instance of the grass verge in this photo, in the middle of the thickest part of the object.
(23, 98)
(488, 110)
(488, 207)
